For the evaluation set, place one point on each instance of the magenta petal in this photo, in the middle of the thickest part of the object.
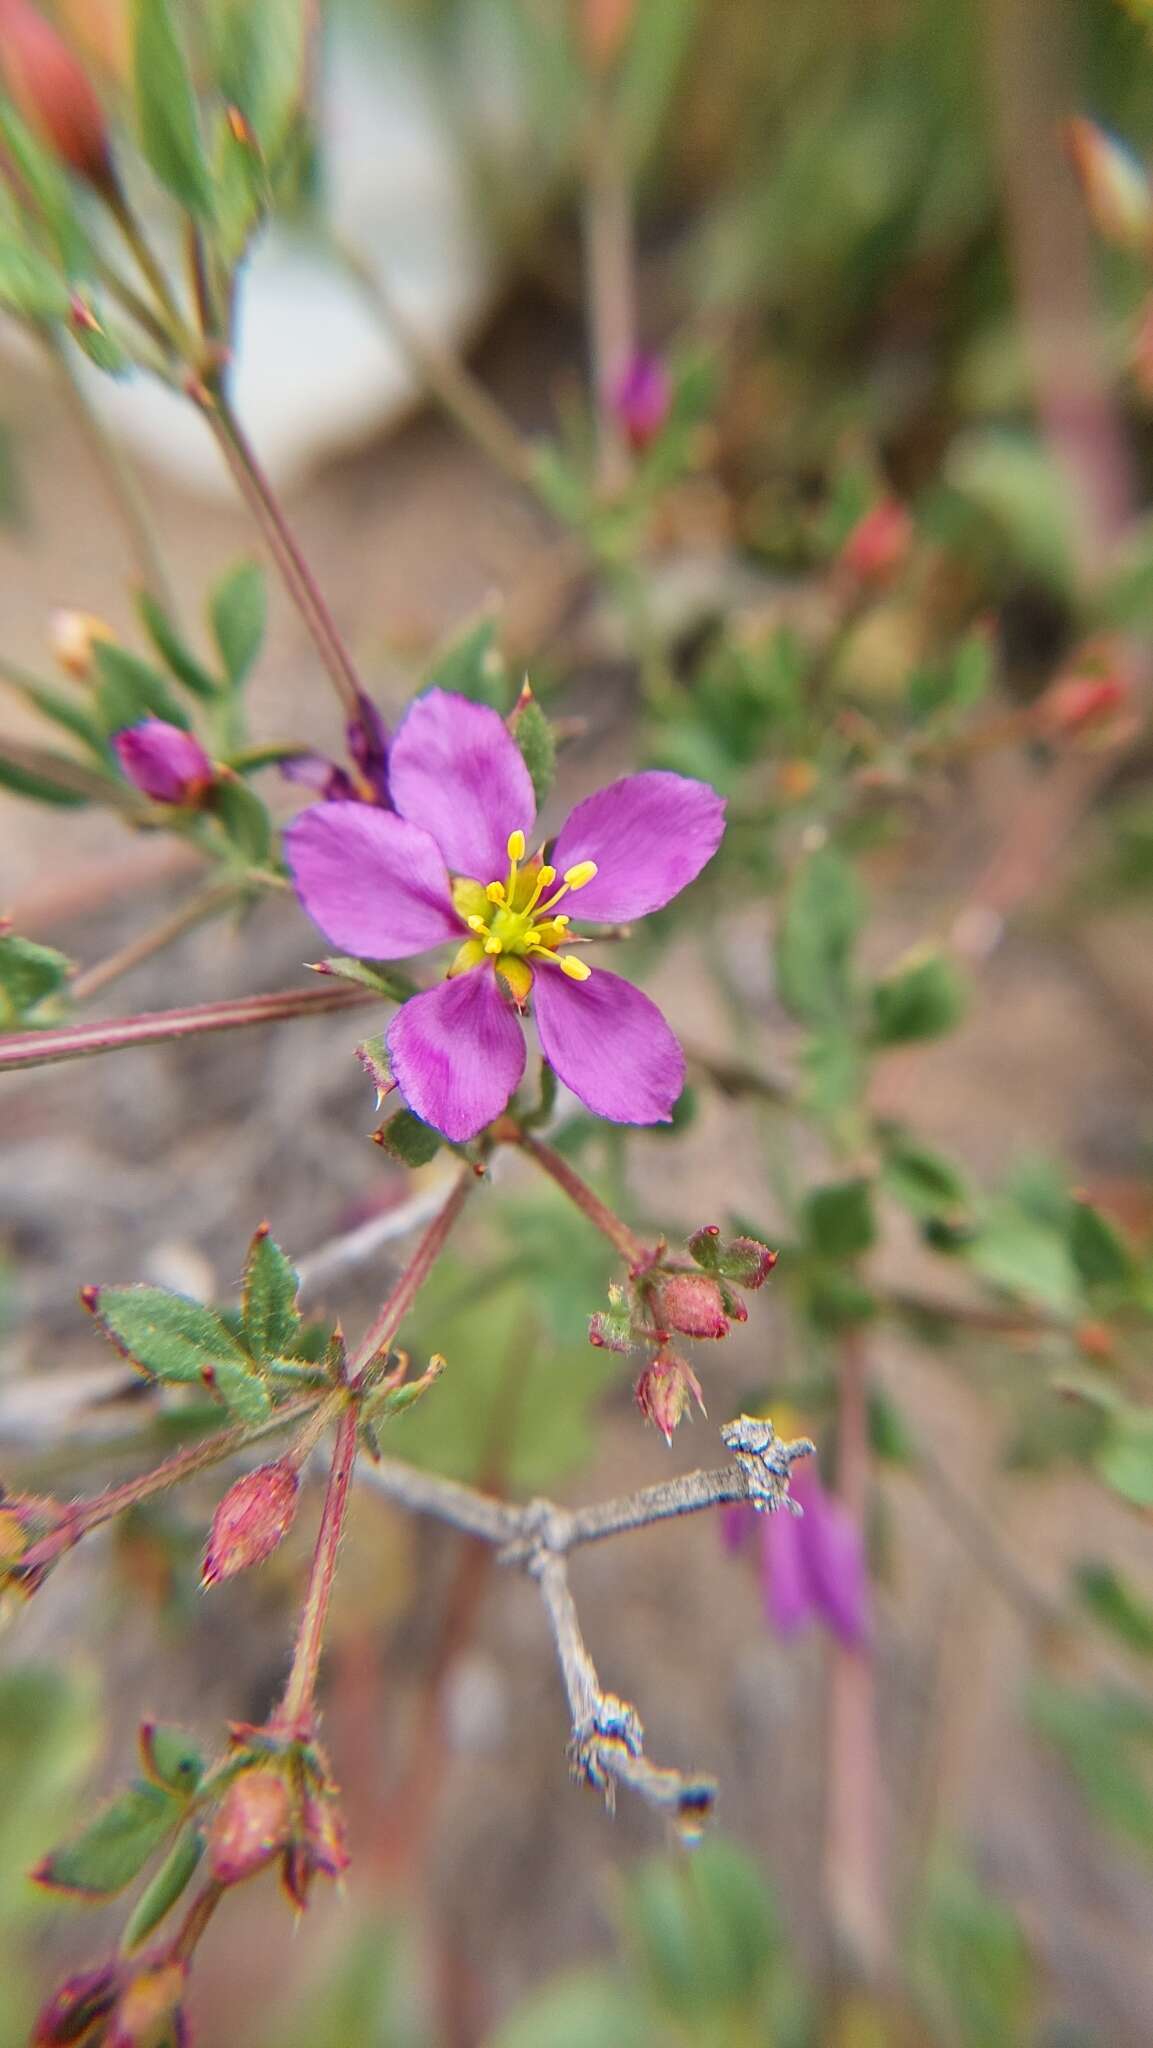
(165, 763)
(785, 1586)
(738, 1524)
(650, 835)
(838, 1573)
(373, 883)
(455, 769)
(609, 1044)
(458, 1053)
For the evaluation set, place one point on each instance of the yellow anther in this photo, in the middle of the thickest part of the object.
(495, 892)
(562, 918)
(546, 876)
(575, 969)
(493, 946)
(476, 924)
(578, 878)
(515, 847)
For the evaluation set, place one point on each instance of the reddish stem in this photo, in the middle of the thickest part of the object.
(578, 1191)
(152, 1027)
(296, 1712)
(103, 1507)
(392, 1312)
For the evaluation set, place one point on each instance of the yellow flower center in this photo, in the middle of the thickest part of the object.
(516, 921)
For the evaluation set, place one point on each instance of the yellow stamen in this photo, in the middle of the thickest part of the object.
(476, 924)
(495, 892)
(575, 969)
(581, 875)
(493, 946)
(515, 847)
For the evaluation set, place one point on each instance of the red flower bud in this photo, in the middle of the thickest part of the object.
(253, 1518)
(53, 93)
(166, 764)
(664, 1389)
(691, 1303)
(641, 399)
(77, 2008)
(878, 546)
(748, 1262)
(1081, 703)
(252, 1824)
(147, 2013)
(317, 1848)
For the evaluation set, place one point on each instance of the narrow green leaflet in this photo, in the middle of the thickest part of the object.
(271, 1317)
(925, 998)
(815, 941)
(1116, 1604)
(33, 982)
(29, 285)
(239, 614)
(170, 1757)
(839, 1220)
(173, 650)
(169, 1884)
(166, 106)
(245, 821)
(242, 1391)
(131, 690)
(168, 1336)
(1125, 1458)
(534, 736)
(260, 64)
(106, 1855)
(409, 1140)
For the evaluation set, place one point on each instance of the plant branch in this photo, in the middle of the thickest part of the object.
(118, 477)
(578, 1191)
(380, 1333)
(297, 1708)
(205, 904)
(185, 1464)
(20, 1049)
(263, 503)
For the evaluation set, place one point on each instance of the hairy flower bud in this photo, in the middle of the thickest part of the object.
(1113, 183)
(53, 93)
(253, 1518)
(73, 2012)
(878, 546)
(749, 1262)
(691, 1303)
(641, 399)
(664, 1389)
(147, 2013)
(252, 1824)
(72, 637)
(164, 763)
(317, 1848)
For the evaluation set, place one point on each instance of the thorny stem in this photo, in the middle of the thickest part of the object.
(392, 1312)
(20, 1049)
(263, 503)
(197, 910)
(578, 1191)
(117, 475)
(295, 1712)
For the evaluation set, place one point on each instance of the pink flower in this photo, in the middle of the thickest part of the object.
(813, 1564)
(641, 398)
(448, 863)
(366, 782)
(166, 764)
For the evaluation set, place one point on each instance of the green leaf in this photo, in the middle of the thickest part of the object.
(1101, 1256)
(889, 1434)
(130, 690)
(923, 999)
(381, 976)
(822, 918)
(96, 340)
(43, 178)
(242, 1391)
(45, 777)
(1100, 1735)
(406, 1138)
(1113, 1602)
(60, 706)
(169, 1884)
(838, 1220)
(244, 819)
(472, 666)
(30, 975)
(29, 284)
(837, 1300)
(1024, 1257)
(239, 614)
(974, 1956)
(166, 106)
(534, 736)
(104, 1857)
(170, 1757)
(260, 64)
(173, 650)
(956, 685)
(271, 1284)
(1125, 1458)
(923, 1181)
(166, 1335)
(583, 2008)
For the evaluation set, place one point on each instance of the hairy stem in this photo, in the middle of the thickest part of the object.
(20, 1049)
(578, 1191)
(200, 1457)
(296, 1710)
(263, 503)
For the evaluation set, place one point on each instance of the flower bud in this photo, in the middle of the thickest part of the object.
(691, 1303)
(77, 2008)
(252, 1824)
(1113, 183)
(53, 93)
(251, 1521)
(878, 546)
(610, 1329)
(1085, 702)
(164, 763)
(663, 1391)
(72, 637)
(749, 1262)
(317, 1848)
(641, 399)
(147, 2013)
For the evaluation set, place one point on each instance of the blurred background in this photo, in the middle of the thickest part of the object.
(856, 239)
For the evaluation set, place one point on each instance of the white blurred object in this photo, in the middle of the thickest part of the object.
(315, 367)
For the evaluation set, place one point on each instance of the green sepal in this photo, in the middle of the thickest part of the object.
(166, 107)
(104, 1857)
(406, 1138)
(169, 1884)
(168, 1336)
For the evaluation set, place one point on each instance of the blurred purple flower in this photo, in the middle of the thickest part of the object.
(366, 737)
(164, 763)
(448, 862)
(641, 399)
(812, 1565)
